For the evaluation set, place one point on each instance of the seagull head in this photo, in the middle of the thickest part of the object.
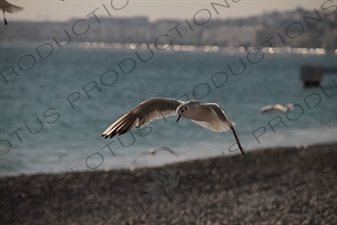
(182, 110)
(290, 106)
(152, 151)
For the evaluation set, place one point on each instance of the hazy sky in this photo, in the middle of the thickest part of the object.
(153, 9)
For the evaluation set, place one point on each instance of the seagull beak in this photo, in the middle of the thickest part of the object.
(178, 118)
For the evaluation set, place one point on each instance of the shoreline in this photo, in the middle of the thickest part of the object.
(279, 185)
(111, 169)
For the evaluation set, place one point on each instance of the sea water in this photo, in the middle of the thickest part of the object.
(56, 105)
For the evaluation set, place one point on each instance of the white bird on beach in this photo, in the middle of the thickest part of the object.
(276, 108)
(152, 151)
(7, 7)
(208, 115)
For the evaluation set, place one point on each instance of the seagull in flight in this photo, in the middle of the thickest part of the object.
(207, 115)
(8, 7)
(152, 151)
(277, 108)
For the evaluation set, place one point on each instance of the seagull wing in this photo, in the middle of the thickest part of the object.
(266, 108)
(137, 157)
(167, 149)
(224, 118)
(142, 114)
(278, 108)
(7, 7)
(210, 119)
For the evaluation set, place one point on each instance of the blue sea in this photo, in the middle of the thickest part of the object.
(56, 102)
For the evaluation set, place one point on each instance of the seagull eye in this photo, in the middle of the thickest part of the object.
(185, 108)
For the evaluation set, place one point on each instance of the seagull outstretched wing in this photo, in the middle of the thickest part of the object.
(145, 112)
(224, 118)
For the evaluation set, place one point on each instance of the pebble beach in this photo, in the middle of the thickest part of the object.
(286, 185)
